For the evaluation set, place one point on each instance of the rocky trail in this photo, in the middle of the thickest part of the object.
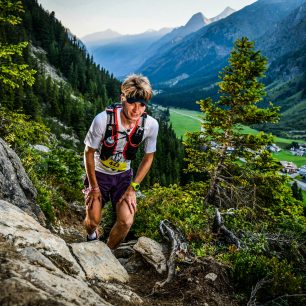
(53, 265)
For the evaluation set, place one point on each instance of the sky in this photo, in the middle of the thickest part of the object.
(84, 17)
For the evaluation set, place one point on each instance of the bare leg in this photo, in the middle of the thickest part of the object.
(122, 226)
(93, 216)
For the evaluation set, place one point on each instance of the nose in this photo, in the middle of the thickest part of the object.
(136, 107)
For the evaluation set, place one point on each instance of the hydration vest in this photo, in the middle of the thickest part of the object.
(110, 140)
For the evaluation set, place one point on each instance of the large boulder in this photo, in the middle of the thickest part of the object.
(15, 185)
(39, 268)
(24, 231)
(98, 262)
(153, 253)
(30, 282)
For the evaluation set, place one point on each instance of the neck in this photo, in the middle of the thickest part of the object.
(126, 121)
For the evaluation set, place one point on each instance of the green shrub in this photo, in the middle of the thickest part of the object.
(250, 268)
(57, 174)
(182, 206)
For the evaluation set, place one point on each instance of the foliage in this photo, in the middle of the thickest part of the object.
(183, 206)
(17, 129)
(250, 268)
(216, 149)
(297, 192)
(243, 175)
(56, 174)
(13, 73)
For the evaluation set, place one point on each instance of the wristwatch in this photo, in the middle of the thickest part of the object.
(135, 186)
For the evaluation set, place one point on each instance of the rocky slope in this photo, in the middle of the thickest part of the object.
(38, 267)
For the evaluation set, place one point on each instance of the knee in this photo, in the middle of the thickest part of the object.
(91, 223)
(125, 224)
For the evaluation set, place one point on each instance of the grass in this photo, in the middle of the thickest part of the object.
(189, 121)
(304, 197)
(184, 121)
(286, 155)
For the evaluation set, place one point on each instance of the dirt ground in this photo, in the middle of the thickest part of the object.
(189, 286)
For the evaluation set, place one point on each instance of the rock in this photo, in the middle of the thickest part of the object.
(24, 231)
(25, 284)
(41, 148)
(211, 276)
(36, 258)
(134, 263)
(15, 185)
(121, 294)
(124, 251)
(152, 252)
(98, 262)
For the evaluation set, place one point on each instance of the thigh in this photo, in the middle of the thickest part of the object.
(123, 213)
(123, 181)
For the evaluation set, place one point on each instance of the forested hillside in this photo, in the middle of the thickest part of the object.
(68, 91)
(189, 71)
(237, 209)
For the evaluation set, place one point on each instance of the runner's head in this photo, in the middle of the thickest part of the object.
(136, 88)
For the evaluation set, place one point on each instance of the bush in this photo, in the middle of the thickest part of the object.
(250, 268)
(57, 174)
(183, 206)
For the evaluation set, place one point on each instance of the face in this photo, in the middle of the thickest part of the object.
(133, 111)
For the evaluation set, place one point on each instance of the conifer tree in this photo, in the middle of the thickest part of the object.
(13, 74)
(231, 158)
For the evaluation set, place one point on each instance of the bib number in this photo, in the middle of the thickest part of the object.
(116, 166)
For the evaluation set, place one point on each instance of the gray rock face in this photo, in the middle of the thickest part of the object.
(152, 252)
(15, 185)
(39, 268)
(23, 283)
(101, 264)
(23, 231)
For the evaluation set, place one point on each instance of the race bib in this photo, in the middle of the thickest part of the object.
(115, 166)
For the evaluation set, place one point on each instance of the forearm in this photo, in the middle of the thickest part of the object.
(144, 167)
(90, 167)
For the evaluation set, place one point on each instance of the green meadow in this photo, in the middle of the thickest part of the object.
(189, 121)
(184, 121)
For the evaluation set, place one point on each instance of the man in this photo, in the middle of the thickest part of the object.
(111, 144)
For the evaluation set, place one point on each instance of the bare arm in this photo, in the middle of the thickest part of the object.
(144, 167)
(91, 175)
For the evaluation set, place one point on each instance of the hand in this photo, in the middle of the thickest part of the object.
(91, 197)
(130, 198)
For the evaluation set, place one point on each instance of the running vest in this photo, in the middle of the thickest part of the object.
(110, 140)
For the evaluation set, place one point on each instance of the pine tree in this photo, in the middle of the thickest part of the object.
(296, 191)
(13, 74)
(230, 158)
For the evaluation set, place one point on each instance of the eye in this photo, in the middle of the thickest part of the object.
(142, 105)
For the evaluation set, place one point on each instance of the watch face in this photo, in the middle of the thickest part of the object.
(135, 186)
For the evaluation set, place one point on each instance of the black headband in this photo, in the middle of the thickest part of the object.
(134, 100)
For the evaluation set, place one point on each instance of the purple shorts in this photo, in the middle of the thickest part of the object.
(112, 187)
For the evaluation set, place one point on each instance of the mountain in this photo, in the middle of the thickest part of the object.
(285, 47)
(118, 53)
(121, 54)
(226, 12)
(167, 42)
(200, 56)
(100, 37)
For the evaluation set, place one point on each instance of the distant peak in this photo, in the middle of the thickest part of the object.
(197, 19)
(228, 9)
(226, 12)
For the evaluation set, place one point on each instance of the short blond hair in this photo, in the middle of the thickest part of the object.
(137, 86)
